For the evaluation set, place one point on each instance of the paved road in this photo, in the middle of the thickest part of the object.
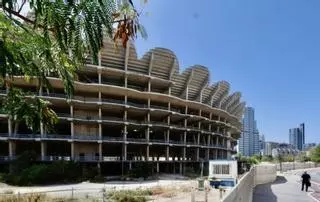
(285, 188)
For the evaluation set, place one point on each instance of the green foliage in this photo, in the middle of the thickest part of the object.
(128, 195)
(253, 160)
(268, 158)
(52, 41)
(30, 110)
(302, 157)
(25, 172)
(143, 170)
(315, 154)
(190, 172)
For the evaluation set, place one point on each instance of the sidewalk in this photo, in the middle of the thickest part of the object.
(285, 188)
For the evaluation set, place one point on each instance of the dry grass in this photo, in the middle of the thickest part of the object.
(23, 198)
(8, 191)
(170, 191)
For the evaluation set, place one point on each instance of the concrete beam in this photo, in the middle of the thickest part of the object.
(150, 63)
(172, 69)
(126, 60)
(203, 86)
(185, 91)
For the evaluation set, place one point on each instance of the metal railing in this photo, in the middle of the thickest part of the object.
(56, 158)
(22, 136)
(113, 101)
(4, 135)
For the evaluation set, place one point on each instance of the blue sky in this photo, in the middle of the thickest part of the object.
(268, 50)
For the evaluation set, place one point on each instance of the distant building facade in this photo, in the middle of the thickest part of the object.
(249, 140)
(309, 146)
(297, 137)
(285, 149)
(261, 144)
(268, 146)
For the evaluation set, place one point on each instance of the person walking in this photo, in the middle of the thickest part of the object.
(305, 181)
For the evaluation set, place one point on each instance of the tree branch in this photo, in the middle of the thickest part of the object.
(17, 14)
(24, 1)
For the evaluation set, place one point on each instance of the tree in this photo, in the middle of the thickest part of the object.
(52, 41)
(315, 154)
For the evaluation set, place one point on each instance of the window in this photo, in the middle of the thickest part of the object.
(221, 169)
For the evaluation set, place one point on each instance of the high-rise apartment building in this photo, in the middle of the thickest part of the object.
(268, 147)
(261, 143)
(249, 140)
(297, 137)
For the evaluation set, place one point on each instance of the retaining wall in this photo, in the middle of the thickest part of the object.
(296, 165)
(243, 191)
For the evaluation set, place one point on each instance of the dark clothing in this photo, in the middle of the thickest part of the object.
(305, 181)
(304, 184)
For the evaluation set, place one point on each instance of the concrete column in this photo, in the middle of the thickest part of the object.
(99, 78)
(149, 85)
(180, 169)
(185, 137)
(198, 138)
(125, 132)
(72, 129)
(41, 129)
(168, 135)
(12, 149)
(147, 133)
(126, 81)
(169, 91)
(100, 152)
(147, 152)
(72, 151)
(197, 154)
(9, 127)
(217, 140)
(100, 130)
(124, 152)
(100, 113)
(99, 59)
(216, 154)
(157, 167)
(167, 153)
(71, 110)
(223, 141)
(187, 92)
(148, 117)
(207, 154)
(184, 153)
(209, 140)
(43, 150)
(100, 97)
(125, 115)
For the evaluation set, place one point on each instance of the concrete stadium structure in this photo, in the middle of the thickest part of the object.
(127, 110)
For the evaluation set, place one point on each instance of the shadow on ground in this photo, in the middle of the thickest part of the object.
(263, 193)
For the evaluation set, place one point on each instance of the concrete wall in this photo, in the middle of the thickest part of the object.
(296, 165)
(243, 191)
